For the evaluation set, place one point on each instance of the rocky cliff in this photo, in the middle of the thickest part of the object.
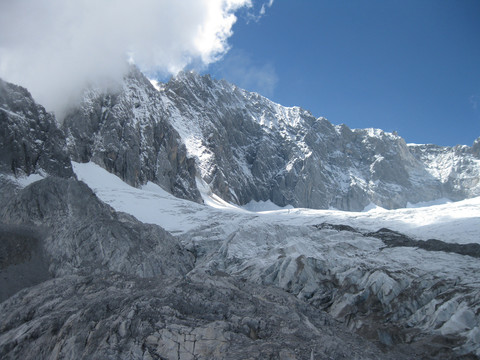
(80, 233)
(125, 130)
(456, 168)
(241, 145)
(30, 140)
(249, 148)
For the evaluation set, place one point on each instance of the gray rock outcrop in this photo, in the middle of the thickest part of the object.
(80, 233)
(30, 140)
(119, 317)
(22, 259)
(456, 168)
(125, 130)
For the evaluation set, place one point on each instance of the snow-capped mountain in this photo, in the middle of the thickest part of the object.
(247, 148)
(126, 232)
(241, 145)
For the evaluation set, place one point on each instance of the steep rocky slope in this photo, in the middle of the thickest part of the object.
(126, 131)
(22, 259)
(455, 167)
(243, 146)
(80, 233)
(30, 139)
(249, 148)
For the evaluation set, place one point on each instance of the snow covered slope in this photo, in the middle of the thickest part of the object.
(457, 222)
(375, 270)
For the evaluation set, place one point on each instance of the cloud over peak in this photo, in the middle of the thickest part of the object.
(55, 47)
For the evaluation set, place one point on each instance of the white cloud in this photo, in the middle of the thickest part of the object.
(54, 47)
(255, 14)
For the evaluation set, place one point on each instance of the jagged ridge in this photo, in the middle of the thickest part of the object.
(242, 145)
(249, 148)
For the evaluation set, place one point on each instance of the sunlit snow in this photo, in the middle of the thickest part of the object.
(457, 222)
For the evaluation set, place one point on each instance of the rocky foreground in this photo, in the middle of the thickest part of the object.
(100, 284)
(120, 289)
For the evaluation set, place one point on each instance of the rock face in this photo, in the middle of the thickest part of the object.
(249, 148)
(126, 131)
(117, 317)
(457, 168)
(22, 259)
(30, 140)
(80, 233)
(242, 145)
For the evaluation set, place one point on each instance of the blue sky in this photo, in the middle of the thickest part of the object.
(411, 66)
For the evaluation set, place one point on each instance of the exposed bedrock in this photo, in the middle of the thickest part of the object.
(201, 317)
(81, 233)
(126, 131)
(30, 140)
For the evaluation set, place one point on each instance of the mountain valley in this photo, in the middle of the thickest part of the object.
(197, 220)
